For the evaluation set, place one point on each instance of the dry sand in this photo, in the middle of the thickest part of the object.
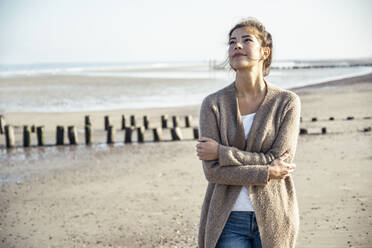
(150, 195)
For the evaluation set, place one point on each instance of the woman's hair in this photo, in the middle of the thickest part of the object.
(262, 35)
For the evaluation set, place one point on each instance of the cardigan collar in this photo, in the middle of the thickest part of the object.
(239, 140)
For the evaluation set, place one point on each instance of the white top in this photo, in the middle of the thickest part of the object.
(243, 202)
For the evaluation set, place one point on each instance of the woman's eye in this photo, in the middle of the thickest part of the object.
(245, 40)
(231, 42)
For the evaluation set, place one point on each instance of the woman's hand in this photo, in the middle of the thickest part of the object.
(279, 169)
(207, 149)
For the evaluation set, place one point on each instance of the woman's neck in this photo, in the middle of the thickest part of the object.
(249, 84)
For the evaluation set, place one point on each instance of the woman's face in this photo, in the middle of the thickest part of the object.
(245, 49)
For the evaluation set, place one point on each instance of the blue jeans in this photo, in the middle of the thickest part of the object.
(240, 231)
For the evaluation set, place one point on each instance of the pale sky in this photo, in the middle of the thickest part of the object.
(37, 31)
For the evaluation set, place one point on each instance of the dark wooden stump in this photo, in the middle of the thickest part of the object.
(367, 129)
(175, 121)
(303, 131)
(26, 136)
(107, 122)
(123, 126)
(164, 121)
(40, 135)
(196, 133)
(140, 135)
(133, 120)
(88, 134)
(33, 128)
(324, 130)
(87, 120)
(188, 120)
(9, 136)
(176, 134)
(350, 118)
(72, 135)
(146, 122)
(157, 134)
(2, 124)
(60, 135)
(128, 135)
(314, 119)
(110, 134)
(331, 118)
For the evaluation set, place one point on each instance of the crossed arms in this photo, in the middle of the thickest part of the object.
(237, 167)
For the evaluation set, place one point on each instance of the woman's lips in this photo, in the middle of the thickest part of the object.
(238, 55)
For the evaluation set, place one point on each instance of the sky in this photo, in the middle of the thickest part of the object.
(63, 31)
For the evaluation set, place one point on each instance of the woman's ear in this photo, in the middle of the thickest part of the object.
(266, 52)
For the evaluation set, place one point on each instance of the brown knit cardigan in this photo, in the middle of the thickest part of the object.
(240, 162)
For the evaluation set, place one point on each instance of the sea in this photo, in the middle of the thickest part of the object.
(76, 87)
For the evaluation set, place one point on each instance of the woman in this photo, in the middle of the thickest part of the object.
(249, 132)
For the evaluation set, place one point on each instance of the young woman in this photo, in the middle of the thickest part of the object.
(249, 131)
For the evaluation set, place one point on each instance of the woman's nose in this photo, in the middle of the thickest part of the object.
(238, 45)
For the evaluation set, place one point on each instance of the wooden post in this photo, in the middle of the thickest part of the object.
(133, 120)
(157, 134)
(146, 122)
(72, 135)
(123, 126)
(9, 136)
(26, 136)
(303, 131)
(331, 118)
(176, 133)
(175, 121)
(196, 133)
(188, 120)
(60, 135)
(324, 130)
(33, 128)
(128, 135)
(2, 124)
(367, 129)
(164, 121)
(110, 134)
(350, 118)
(140, 134)
(87, 120)
(107, 122)
(314, 119)
(88, 134)
(40, 135)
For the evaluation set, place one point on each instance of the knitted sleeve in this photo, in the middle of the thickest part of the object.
(214, 172)
(286, 140)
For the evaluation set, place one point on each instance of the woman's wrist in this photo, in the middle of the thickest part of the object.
(269, 172)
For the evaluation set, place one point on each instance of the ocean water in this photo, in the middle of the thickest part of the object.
(86, 87)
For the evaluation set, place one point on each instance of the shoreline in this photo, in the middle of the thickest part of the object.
(301, 89)
(335, 83)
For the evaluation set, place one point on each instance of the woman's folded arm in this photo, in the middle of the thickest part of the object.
(236, 175)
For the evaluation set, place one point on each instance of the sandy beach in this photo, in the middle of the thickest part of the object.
(150, 195)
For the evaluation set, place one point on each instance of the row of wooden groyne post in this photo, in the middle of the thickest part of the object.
(324, 129)
(128, 128)
(348, 118)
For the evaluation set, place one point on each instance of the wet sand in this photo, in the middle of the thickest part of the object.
(150, 195)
